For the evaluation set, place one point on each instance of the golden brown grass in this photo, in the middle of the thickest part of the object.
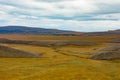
(59, 63)
(46, 37)
(52, 69)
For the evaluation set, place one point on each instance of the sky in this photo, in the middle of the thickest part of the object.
(75, 15)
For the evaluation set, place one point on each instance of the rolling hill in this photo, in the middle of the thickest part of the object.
(31, 30)
(15, 53)
(110, 32)
(44, 31)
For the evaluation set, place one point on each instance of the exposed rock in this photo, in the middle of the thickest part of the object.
(48, 42)
(108, 53)
(111, 48)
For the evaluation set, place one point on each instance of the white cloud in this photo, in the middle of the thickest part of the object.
(63, 7)
(97, 15)
(75, 25)
(114, 16)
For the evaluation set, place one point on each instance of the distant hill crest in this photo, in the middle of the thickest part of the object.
(34, 30)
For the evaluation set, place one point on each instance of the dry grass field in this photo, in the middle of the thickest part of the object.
(68, 62)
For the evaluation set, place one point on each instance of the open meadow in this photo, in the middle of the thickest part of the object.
(59, 58)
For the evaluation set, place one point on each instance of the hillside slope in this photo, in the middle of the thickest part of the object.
(31, 30)
(15, 53)
(111, 32)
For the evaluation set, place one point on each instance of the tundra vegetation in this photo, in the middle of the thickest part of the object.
(40, 57)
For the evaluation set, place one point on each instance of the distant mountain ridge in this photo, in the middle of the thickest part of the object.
(32, 30)
(110, 32)
(44, 31)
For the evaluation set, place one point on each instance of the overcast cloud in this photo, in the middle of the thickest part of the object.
(77, 15)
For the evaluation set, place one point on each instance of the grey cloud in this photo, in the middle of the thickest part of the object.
(53, 0)
(62, 14)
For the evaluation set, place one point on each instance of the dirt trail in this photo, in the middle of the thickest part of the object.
(66, 54)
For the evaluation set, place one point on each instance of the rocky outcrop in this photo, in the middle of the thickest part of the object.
(48, 42)
(108, 53)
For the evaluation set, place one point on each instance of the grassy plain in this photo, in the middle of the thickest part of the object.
(69, 62)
